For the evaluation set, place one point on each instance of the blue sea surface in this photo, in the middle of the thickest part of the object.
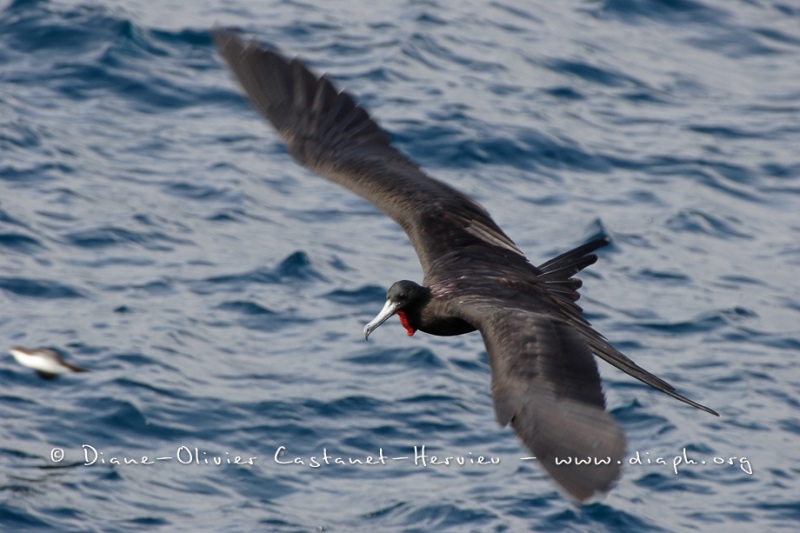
(154, 229)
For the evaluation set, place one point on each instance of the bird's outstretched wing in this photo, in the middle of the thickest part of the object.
(546, 385)
(545, 381)
(326, 131)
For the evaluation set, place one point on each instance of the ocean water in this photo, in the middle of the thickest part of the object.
(154, 229)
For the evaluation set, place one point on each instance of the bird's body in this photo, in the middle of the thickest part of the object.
(46, 362)
(545, 381)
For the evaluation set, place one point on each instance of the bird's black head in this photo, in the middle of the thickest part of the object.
(405, 293)
(404, 299)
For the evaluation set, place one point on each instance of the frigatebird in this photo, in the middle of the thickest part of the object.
(545, 381)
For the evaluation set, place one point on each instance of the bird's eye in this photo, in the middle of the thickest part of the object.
(402, 296)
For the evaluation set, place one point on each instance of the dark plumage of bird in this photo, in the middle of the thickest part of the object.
(545, 381)
(46, 362)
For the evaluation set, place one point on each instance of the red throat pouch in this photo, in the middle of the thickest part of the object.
(404, 322)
